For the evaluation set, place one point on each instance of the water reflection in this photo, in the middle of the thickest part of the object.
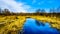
(39, 23)
(33, 26)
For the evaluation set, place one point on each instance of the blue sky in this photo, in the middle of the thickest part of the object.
(41, 3)
(28, 5)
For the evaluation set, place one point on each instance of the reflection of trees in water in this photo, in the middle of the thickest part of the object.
(39, 23)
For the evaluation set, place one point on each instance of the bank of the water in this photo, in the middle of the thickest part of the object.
(33, 26)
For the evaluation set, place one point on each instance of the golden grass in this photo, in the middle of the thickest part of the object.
(15, 23)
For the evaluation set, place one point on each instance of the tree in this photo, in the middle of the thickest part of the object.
(38, 10)
(43, 11)
(58, 10)
(6, 12)
(0, 10)
(52, 10)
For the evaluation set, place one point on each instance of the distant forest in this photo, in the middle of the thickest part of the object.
(53, 11)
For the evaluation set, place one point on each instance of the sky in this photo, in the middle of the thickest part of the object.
(28, 5)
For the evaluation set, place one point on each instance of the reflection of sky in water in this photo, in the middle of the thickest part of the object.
(31, 27)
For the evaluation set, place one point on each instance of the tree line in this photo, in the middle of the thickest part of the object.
(52, 11)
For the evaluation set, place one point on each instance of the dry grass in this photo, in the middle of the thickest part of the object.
(15, 23)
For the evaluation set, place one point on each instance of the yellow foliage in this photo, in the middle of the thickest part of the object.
(15, 23)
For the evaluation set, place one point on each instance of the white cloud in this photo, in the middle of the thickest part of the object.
(33, 1)
(42, 2)
(39, 3)
(12, 5)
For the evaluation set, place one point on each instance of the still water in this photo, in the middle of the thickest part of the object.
(33, 26)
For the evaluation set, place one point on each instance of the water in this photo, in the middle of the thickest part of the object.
(33, 26)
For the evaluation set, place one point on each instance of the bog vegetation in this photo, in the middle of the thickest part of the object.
(11, 22)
